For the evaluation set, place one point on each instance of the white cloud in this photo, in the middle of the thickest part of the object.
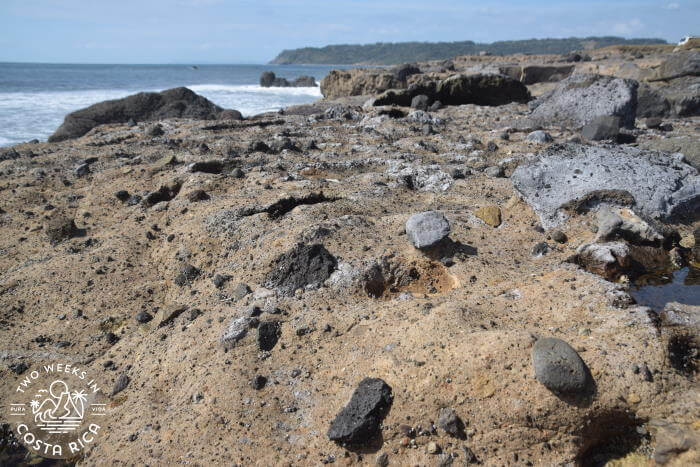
(673, 6)
(628, 27)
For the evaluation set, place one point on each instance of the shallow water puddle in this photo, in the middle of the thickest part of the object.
(655, 291)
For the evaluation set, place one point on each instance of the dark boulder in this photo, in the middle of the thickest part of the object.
(165, 193)
(651, 102)
(302, 266)
(675, 98)
(545, 74)
(559, 367)
(269, 333)
(144, 106)
(358, 422)
(402, 72)
(305, 82)
(602, 128)
(268, 79)
(60, 227)
(481, 89)
(449, 421)
(581, 98)
(420, 102)
(678, 65)
(575, 178)
(230, 114)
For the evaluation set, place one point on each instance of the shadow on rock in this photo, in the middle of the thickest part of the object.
(450, 249)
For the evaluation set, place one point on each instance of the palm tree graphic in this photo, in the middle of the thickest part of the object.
(79, 398)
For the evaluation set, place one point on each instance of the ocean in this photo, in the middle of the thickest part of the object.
(35, 97)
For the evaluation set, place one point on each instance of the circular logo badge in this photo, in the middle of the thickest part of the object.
(57, 410)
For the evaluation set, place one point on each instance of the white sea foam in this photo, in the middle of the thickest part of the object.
(314, 91)
(251, 99)
(28, 115)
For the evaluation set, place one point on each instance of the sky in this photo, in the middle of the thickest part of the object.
(255, 31)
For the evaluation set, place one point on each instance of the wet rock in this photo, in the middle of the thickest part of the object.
(268, 79)
(581, 98)
(577, 178)
(680, 314)
(187, 275)
(491, 215)
(425, 229)
(608, 260)
(602, 128)
(304, 81)
(303, 266)
(144, 106)
(539, 136)
(614, 224)
(358, 422)
(449, 421)
(559, 367)
(269, 333)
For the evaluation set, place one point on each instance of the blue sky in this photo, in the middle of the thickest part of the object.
(243, 31)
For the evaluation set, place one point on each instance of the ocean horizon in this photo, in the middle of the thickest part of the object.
(35, 97)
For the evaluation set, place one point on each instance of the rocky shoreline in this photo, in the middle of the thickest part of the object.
(373, 279)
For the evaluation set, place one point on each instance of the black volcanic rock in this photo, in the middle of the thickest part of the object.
(144, 106)
(304, 82)
(481, 89)
(269, 80)
(559, 367)
(302, 266)
(358, 422)
(268, 334)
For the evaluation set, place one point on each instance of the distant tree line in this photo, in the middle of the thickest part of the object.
(389, 53)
